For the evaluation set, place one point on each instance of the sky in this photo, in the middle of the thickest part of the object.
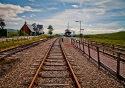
(95, 16)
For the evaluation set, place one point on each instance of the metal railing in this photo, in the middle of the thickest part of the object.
(110, 58)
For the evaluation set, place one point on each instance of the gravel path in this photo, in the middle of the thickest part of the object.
(17, 70)
(88, 74)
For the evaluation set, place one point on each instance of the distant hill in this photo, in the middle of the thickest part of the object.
(11, 30)
(113, 38)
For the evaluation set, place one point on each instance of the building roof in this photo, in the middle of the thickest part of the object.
(30, 27)
(35, 28)
(40, 26)
(67, 30)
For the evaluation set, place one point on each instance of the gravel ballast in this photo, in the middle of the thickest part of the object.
(15, 75)
(88, 74)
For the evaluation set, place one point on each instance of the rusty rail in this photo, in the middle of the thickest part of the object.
(71, 70)
(16, 49)
(36, 74)
(41, 64)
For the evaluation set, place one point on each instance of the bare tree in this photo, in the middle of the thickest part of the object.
(2, 23)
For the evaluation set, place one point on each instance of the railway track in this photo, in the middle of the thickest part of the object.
(9, 52)
(54, 71)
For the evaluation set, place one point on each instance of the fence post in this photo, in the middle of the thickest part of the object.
(96, 43)
(103, 47)
(98, 56)
(83, 46)
(71, 40)
(118, 64)
(6, 40)
(113, 48)
(89, 50)
(75, 43)
(79, 45)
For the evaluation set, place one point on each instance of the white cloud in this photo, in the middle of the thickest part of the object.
(94, 11)
(23, 16)
(32, 0)
(63, 3)
(32, 15)
(95, 15)
(87, 16)
(10, 11)
(89, 25)
(101, 30)
(81, 3)
(123, 13)
(52, 8)
(106, 25)
(60, 21)
(120, 29)
(74, 0)
(100, 11)
(75, 6)
(15, 23)
(100, 2)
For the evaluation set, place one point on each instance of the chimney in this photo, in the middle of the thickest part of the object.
(25, 22)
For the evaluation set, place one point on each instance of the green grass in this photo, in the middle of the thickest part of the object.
(12, 34)
(10, 44)
(113, 38)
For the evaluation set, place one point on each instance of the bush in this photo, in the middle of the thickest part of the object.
(86, 36)
(12, 34)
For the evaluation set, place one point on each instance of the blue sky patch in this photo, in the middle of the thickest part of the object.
(95, 15)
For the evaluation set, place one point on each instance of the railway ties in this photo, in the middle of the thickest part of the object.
(7, 53)
(54, 70)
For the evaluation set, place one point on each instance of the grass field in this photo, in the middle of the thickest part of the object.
(11, 44)
(112, 38)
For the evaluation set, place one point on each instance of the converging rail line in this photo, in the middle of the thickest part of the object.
(9, 52)
(55, 70)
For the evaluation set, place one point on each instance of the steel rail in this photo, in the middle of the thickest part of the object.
(71, 70)
(16, 49)
(41, 64)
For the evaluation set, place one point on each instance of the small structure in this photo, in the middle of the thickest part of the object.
(68, 32)
(33, 29)
(3, 32)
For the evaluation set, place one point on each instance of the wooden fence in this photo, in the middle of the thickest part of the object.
(109, 57)
(15, 39)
